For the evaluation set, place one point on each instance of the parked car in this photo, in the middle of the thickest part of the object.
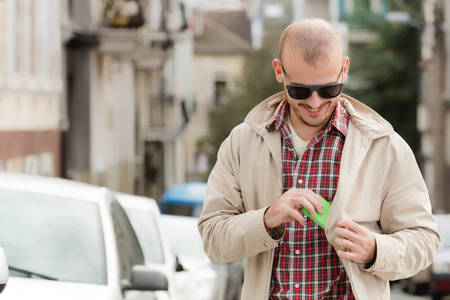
(435, 280)
(4, 273)
(199, 278)
(440, 268)
(145, 217)
(184, 199)
(69, 240)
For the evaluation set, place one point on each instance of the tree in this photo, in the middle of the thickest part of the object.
(385, 74)
(256, 84)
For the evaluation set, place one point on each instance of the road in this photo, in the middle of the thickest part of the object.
(398, 294)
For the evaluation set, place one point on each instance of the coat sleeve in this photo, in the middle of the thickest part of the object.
(410, 236)
(230, 232)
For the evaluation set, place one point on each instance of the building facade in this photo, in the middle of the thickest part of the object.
(32, 114)
(128, 94)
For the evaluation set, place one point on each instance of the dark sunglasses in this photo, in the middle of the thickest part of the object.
(302, 92)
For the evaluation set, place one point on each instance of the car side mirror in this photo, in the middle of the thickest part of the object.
(147, 278)
(4, 272)
(178, 266)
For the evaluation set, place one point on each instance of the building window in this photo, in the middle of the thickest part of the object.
(220, 92)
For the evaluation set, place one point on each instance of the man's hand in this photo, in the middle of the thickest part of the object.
(288, 207)
(358, 244)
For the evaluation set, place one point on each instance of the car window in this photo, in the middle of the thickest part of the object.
(146, 229)
(130, 252)
(52, 237)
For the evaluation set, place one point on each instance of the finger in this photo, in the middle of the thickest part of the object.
(303, 202)
(346, 244)
(348, 255)
(348, 224)
(315, 200)
(312, 197)
(297, 215)
(347, 234)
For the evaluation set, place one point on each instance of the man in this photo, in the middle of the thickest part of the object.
(307, 141)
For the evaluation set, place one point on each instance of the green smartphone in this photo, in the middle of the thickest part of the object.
(320, 219)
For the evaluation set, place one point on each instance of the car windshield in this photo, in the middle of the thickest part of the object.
(53, 238)
(145, 227)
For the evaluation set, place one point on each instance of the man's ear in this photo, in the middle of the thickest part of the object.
(278, 71)
(346, 66)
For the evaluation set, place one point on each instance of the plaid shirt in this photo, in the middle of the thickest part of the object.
(306, 266)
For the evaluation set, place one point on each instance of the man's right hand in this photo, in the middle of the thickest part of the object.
(288, 207)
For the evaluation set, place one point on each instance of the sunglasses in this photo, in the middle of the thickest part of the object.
(302, 92)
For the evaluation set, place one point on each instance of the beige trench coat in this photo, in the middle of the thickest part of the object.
(380, 187)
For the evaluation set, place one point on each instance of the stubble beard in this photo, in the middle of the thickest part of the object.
(310, 124)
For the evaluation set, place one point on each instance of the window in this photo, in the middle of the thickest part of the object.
(220, 91)
(147, 231)
(130, 252)
(53, 237)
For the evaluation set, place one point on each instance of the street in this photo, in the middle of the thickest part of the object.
(398, 294)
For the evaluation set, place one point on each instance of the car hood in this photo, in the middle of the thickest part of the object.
(37, 289)
(442, 257)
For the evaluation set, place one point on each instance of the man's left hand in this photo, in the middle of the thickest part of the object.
(358, 244)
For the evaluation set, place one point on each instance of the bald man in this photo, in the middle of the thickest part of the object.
(306, 142)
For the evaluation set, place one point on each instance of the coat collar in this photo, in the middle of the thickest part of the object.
(363, 117)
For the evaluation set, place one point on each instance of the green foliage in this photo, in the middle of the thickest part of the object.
(385, 75)
(256, 84)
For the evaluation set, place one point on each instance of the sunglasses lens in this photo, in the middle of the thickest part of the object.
(330, 91)
(297, 92)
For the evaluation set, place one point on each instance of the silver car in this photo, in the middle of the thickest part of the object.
(68, 240)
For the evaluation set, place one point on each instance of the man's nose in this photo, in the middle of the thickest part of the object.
(314, 101)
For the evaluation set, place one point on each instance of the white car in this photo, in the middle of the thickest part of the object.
(4, 273)
(198, 277)
(69, 240)
(145, 217)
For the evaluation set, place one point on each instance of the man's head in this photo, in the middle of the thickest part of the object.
(316, 39)
(311, 54)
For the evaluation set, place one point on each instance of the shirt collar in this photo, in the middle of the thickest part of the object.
(339, 120)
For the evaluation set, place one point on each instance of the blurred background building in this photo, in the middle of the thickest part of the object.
(119, 92)
(32, 112)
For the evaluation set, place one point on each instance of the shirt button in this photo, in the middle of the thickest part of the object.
(297, 285)
(297, 252)
(300, 181)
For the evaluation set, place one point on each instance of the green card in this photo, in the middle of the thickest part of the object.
(320, 219)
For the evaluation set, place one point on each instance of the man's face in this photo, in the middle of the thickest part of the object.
(313, 112)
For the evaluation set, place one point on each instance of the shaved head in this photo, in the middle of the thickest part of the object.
(316, 39)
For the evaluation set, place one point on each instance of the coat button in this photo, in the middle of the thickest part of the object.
(267, 244)
(382, 265)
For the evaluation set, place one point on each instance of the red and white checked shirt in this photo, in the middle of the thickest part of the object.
(306, 266)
